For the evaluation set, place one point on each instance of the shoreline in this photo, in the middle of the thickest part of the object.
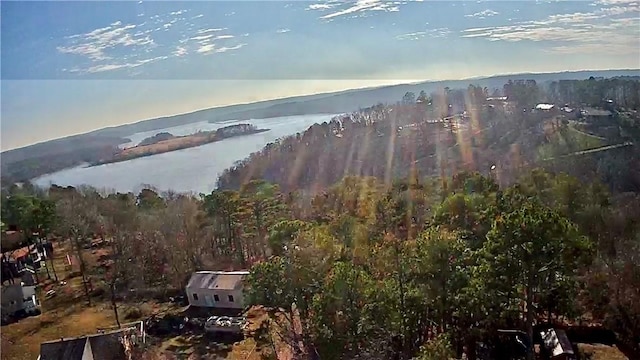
(205, 141)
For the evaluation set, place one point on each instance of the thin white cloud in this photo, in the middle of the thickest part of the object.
(206, 39)
(432, 33)
(282, 31)
(225, 49)
(171, 23)
(615, 2)
(141, 33)
(126, 46)
(204, 31)
(606, 30)
(230, 14)
(180, 51)
(620, 10)
(354, 8)
(201, 37)
(577, 17)
(321, 6)
(198, 16)
(205, 49)
(95, 44)
(211, 48)
(483, 14)
(109, 67)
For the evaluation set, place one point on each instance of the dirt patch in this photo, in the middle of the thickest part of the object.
(601, 352)
(22, 340)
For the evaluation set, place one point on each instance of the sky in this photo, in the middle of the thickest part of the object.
(68, 67)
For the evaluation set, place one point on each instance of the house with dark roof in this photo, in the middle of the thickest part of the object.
(30, 255)
(18, 300)
(217, 289)
(114, 345)
(597, 116)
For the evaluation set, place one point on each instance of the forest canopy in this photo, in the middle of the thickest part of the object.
(396, 232)
(376, 271)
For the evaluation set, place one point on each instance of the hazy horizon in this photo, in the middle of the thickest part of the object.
(73, 67)
(284, 97)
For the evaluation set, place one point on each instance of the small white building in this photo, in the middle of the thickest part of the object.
(218, 289)
(545, 107)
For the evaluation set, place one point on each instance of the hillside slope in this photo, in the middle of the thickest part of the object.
(449, 133)
(75, 147)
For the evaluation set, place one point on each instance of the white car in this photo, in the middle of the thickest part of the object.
(225, 324)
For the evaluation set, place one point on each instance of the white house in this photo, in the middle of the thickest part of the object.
(545, 107)
(219, 289)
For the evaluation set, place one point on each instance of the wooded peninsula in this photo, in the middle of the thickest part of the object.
(165, 142)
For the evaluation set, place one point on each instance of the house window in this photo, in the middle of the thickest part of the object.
(230, 298)
(216, 298)
(195, 296)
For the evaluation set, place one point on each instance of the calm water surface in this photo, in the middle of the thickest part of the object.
(189, 170)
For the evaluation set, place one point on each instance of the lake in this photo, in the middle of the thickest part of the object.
(189, 170)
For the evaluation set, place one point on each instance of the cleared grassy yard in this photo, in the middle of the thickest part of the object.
(568, 141)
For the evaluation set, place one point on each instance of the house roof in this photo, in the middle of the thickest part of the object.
(67, 349)
(217, 280)
(596, 112)
(23, 251)
(544, 106)
(102, 347)
(107, 347)
(11, 292)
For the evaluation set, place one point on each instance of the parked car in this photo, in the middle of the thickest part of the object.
(225, 324)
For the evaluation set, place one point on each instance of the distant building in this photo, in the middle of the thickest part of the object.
(114, 345)
(596, 116)
(545, 107)
(28, 276)
(31, 255)
(218, 289)
(569, 113)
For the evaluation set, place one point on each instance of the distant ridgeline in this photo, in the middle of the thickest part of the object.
(165, 142)
(474, 129)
